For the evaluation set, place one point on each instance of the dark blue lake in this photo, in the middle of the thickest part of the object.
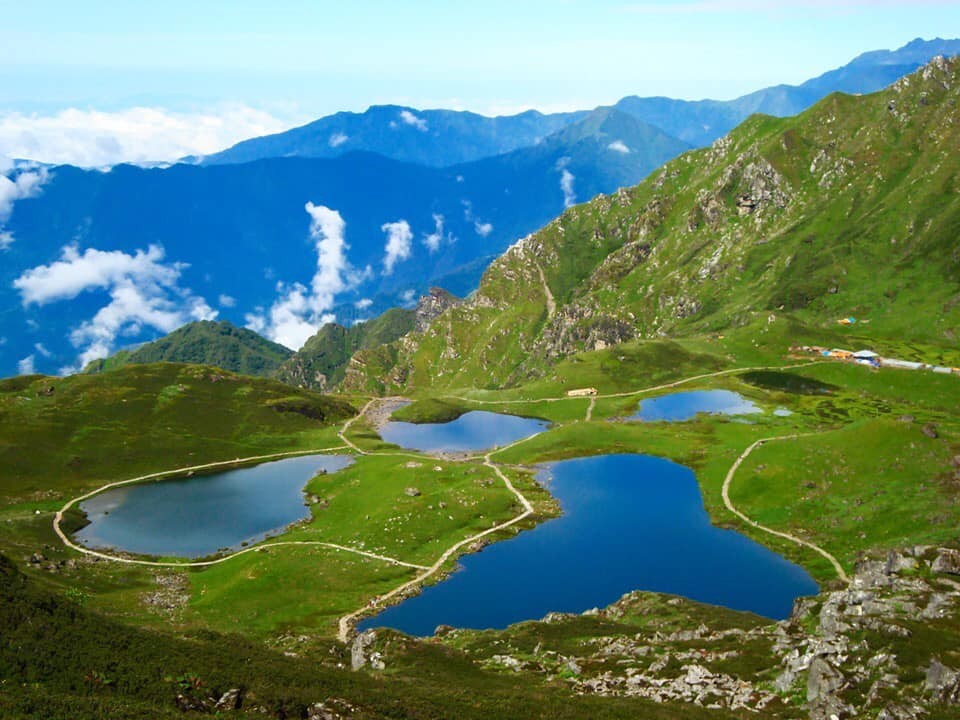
(685, 405)
(197, 516)
(476, 430)
(630, 522)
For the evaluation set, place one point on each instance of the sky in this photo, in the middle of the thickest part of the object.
(91, 81)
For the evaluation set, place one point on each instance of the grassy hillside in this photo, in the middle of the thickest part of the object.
(320, 363)
(205, 343)
(58, 435)
(59, 660)
(848, 209)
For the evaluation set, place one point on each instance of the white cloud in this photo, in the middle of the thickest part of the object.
(397, 249)
(482, 229)
(91, 138)
(22, 185)
(408, 297)
(299, 312)
(143, 290)
(566, 182)
(74, 272)
(414, 121)
(42, 350)
(363, 303)
(227, 301)
(27, 366)
(256, 321)
(619, 146)
(337, 139)
(432, 240)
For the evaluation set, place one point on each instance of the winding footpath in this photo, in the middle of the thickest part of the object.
(347, 622)
(753, 523)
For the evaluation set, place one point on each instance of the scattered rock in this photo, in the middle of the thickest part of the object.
(412, 492)
(930, 430)
(507, 661)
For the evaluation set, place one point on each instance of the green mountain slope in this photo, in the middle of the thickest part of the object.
(848, 209)
(63, 434)
(205, 343)
(321, 361)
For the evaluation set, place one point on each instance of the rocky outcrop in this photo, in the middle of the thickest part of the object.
(431, 306)
(577, 327)
(361, 652)
(947, 561)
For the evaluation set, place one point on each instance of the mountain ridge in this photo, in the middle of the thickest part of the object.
(722, 236)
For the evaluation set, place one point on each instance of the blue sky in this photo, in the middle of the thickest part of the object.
(318, 57)
(245, 68)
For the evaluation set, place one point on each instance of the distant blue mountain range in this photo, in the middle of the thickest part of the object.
(427, 198)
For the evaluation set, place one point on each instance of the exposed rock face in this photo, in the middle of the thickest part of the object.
(431, 305)
(578, 327)
(359, 656)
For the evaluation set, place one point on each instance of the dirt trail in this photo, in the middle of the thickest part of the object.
(551, 303)
(753, 523)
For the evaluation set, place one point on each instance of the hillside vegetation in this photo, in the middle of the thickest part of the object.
(58, 435)
(205, 343)
(848, 209)
(321, 361)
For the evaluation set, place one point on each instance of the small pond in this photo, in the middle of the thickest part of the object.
(196, 516)
(630, 522)
(686, 405)
(476, 430)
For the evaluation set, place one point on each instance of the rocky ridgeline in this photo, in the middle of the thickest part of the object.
(886, 646)
(431, 306)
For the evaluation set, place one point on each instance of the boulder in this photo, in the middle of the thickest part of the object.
(930, 430)
(943, 683)
(947, 561)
